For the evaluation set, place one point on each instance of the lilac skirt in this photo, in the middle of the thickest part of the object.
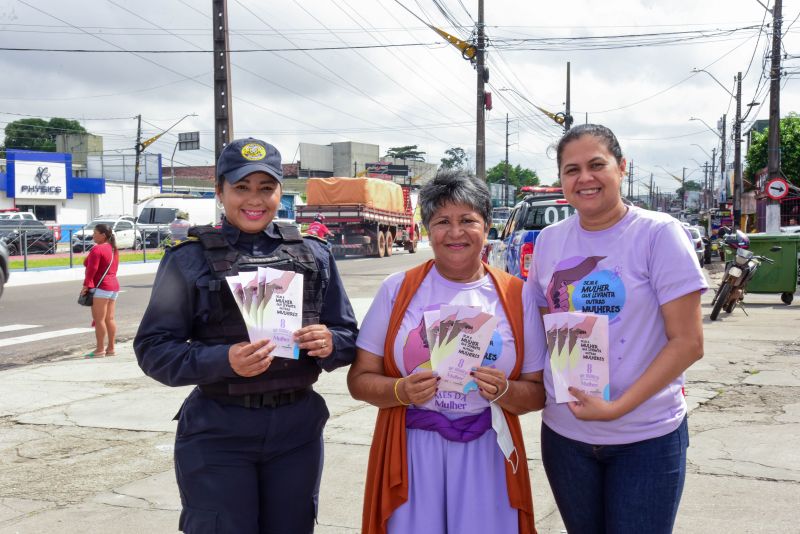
(455, 487)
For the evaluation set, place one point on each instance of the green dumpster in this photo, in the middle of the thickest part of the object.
(780, 277)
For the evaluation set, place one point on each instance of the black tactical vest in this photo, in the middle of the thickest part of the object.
(219, 319)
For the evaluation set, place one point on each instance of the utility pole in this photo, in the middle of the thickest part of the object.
(630, 180)
(774, 133)
(737, 154)
(651, 196)
(139, 150)
(505, 174)
(683, 191)
(568, 116)
(480, 130)
(722, 157)
(223, 113)
(704, 204)
(712, 179)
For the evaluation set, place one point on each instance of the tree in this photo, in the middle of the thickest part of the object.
(690, 185)
(408, 152)
(790, 150)
(38, 134)
(456, 158)
(517, 176)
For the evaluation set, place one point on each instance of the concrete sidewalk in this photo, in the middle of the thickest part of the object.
(86, 445)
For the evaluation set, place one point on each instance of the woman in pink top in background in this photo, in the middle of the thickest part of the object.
(104, 288)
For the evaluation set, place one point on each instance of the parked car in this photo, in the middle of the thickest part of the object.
(499, 217)
(4, 272)
(123, 229)
(512, 251)
(697, 242)
(19, 233)
(17, 216)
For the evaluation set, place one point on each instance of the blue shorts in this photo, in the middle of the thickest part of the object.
(103, 294)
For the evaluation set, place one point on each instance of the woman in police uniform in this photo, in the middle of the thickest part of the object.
(248, 449)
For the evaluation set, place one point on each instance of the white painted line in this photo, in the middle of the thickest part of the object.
(12, 327)
(43, 336)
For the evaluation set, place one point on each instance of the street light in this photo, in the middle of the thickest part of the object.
(716, 80)
(140, 148)
(704, 152)
(707, 126)
(558, 118)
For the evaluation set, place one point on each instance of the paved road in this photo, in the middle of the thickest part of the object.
(44, 323)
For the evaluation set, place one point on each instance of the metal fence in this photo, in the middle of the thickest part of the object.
(28, 243)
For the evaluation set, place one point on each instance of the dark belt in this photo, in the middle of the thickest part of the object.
(272, 399)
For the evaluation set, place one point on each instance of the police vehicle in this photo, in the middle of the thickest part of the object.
(512, 250)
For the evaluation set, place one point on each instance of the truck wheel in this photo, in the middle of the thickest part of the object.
(381, 244)
(389, 243)
(721, 300)
(787, 297)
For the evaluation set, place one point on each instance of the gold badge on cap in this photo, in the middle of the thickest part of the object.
(253, 152)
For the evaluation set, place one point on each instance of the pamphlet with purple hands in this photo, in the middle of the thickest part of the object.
(458, 337)
(578, 346)
(271, 304)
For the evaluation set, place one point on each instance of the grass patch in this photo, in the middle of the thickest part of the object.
(39, 262)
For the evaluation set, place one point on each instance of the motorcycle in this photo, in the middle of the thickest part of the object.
(738, 272)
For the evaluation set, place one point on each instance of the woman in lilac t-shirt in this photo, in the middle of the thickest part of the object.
(618, 465)
(455, 437)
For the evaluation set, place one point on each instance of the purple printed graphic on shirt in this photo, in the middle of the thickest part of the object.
(626, 272)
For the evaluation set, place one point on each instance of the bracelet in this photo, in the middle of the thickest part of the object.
(497, 398)
(396, 396)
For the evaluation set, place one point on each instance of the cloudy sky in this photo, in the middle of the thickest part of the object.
(631, 67)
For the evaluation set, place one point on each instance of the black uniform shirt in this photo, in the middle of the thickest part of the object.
(163, 344)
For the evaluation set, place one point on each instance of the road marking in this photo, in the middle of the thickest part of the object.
(43, 336)
(12, 327)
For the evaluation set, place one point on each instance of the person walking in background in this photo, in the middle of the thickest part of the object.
(449, 460)
(101, 280)
(248, 447)
(618, 465)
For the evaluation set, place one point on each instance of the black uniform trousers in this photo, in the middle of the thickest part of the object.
(249, 470)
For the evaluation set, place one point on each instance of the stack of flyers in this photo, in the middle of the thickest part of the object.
(271, 303)
(577, 343)
(458, 337)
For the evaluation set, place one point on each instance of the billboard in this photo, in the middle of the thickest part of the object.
(40, 179)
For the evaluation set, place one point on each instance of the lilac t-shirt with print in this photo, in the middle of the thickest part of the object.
(626, 272)
(410, 347)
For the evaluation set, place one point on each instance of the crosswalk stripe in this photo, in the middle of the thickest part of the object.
(13, 327)
(43, 335)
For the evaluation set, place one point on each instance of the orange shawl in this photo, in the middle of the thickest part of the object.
(387, 471)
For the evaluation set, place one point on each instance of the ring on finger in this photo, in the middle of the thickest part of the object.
(324, 344)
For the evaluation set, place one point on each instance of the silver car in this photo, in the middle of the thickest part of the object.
(697, 241)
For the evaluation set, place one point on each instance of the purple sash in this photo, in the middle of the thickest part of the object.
(462, 430)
